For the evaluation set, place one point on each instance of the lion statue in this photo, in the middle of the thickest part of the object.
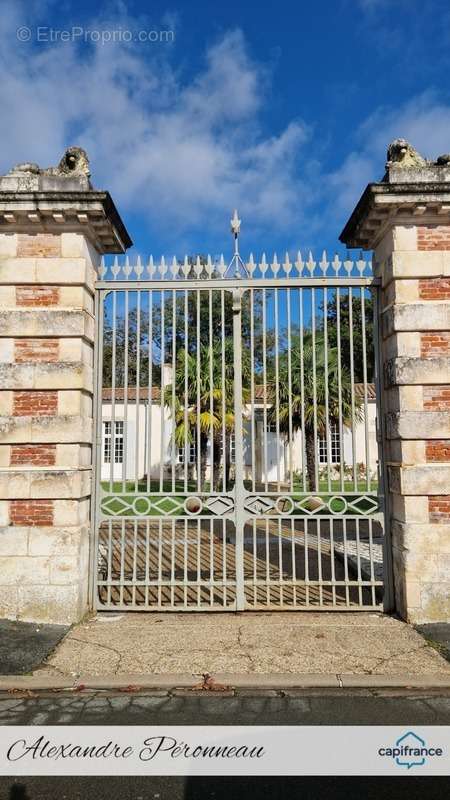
(74, 162)
(403, 154)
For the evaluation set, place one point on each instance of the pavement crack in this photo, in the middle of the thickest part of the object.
(392, 656)
(245, 653)
(46, 665)
(102, 647)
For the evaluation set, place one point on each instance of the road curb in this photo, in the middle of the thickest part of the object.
(220, 683)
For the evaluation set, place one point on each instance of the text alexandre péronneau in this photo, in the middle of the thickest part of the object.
(153, 747)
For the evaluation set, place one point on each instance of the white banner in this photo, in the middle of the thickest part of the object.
(224, 750)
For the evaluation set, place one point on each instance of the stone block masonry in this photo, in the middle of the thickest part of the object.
(48, 263)
(33, 484)
(406, 221)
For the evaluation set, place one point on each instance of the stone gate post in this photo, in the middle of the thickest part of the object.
(53, 229)
(405, 219)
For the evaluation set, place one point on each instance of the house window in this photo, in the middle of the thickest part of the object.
(190, 451)
(334, 449)
(271, 427)
(231, 448)
(118, 442)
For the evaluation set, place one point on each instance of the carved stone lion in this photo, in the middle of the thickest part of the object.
(403, 154)
(74, 162)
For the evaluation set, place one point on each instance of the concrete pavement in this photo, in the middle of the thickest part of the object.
(263, 643)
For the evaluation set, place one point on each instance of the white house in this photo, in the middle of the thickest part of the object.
(143, 436)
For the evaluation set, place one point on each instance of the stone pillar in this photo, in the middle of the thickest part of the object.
(53, 230)
(405, 219)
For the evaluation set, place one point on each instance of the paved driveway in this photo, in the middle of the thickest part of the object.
(258, 643)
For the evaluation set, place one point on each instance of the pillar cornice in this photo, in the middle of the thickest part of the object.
(91, 213)
(383, 205)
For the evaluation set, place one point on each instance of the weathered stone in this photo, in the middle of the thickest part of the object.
(406, 452)
(431, 316)
(418, 424)
(60, 541)
(403, 398)
(427, 479)
(9, 597)
(47, 281)
(405, 220)
(417, 371)
(13, 542)
(419, 537)
(57, 375)
(48, 322)
(403, 344)
(42, 483)
(435, 602)
(8, 246)
(73, 455)
(60, 605)
(412, 264)
(24, 571)
(65, 569)
(71, 512)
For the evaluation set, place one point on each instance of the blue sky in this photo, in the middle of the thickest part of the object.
(283, 109)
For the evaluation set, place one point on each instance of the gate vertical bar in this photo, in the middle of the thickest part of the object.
(388, 579)
(97, 447)
(239, 489)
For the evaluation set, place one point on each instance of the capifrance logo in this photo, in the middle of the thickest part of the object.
(410, 750)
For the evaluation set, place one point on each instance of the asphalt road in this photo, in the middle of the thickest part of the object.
(410, 788)
(299, 707)
(302, 708)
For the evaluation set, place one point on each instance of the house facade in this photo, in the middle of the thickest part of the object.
(137, 431)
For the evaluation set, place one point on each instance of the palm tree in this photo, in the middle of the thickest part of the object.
(208, 405)
(308, 408)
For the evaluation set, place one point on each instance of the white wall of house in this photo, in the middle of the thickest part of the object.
(151, 428)
(142, 430)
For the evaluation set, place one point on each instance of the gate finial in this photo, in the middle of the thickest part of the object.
(235, 224)
(240, 270)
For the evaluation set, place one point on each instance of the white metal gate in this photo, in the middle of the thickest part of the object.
(236, 436)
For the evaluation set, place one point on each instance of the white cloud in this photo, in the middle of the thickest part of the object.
(185, 151)
(424, 121)
(182, 150)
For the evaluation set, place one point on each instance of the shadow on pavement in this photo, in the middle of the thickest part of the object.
(25, 645)
(221, 788)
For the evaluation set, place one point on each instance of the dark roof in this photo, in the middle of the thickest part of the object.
(119, 393)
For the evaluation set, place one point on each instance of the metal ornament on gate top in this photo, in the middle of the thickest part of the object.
(236, 463)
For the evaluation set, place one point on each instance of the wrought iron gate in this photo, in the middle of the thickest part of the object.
(236, 447)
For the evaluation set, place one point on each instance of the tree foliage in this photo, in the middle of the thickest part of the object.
(313, 394)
